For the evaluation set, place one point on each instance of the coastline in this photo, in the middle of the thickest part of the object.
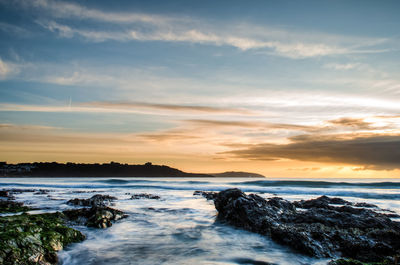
(156, 202)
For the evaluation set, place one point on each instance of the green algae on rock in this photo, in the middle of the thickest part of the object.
(8, 206)
(34, 239)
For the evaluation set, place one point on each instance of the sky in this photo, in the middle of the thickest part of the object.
(306, 89)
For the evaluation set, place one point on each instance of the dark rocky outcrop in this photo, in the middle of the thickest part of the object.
(95, 200)
(209, 195)
(34, 239)
(318, 229)
(96, 216)
(145, 196)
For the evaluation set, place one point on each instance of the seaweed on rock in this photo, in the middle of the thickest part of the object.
(34, 239)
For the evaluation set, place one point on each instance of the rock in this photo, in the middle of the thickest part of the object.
(145, 196)
(356, 262)
(34, 239)
(325, 202)
(95, 200)
(365, 205)
(209, 195)
(16, 191)
(5, 194)
(41, 192)
(345, 262)
(96, 216)
(320, 202)
(8, 206)
(319, 229)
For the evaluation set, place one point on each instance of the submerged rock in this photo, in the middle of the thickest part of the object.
(144, 196)
(5, 194)
(41, 192)
(95, 200)
(319, 229)
(34, 239)
(96, 216)
(209, 195)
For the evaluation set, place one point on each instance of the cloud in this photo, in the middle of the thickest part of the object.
(128, 26)
(379, 152)
(343, 67)
(251, 124)
(35, 134)
(10, 28)
(63, 9)
(357, 123)
(128, 107)
(281, 47)
(10, 126)
(7, 69)
(167, 107)
(168, 136)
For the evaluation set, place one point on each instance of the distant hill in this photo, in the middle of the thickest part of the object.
(113, 169)
(237, 174)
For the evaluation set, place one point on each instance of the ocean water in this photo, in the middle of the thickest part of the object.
(180, 228)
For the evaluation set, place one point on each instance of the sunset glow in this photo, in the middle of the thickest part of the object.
(204, 88)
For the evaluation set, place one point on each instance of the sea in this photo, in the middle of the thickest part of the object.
(181, 228)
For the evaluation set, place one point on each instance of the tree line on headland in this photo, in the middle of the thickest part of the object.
(112, 169)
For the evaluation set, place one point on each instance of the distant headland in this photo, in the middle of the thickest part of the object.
(112, 169)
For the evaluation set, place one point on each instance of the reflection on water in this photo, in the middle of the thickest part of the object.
(180, 228)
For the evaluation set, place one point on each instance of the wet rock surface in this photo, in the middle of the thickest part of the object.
(34, 239)
(96, 216)
(357, 262)
(5, 194)
(145, 196)
(95, 200)
(41, 192)
(209, 195)
(9, 206)
(314, 227)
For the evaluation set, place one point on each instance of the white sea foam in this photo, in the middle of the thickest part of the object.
(180, 228)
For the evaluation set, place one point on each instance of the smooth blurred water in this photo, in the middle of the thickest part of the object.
(180, 228)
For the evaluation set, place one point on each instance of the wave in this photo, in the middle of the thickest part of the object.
(375, 190)
(113, 181)
(125, 181)
(318, 184)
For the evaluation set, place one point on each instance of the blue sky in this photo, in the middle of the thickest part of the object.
(222, 77)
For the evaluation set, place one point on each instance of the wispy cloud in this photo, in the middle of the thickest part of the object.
(346, 66)
(128, 107)
(357, 123)
(11, 126)
(167, 107)
(251, 124)
(8, 69)
(133, 26)
(212, 36)
(10, 28)
(61, 9)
